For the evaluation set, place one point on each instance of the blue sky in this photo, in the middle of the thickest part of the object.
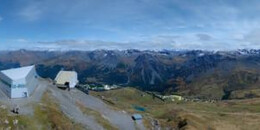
(129, 24)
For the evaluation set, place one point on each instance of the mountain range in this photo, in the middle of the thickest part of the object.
(201, 74)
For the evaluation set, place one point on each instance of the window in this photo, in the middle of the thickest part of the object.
(18, 86)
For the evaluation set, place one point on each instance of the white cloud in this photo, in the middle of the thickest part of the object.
(198, 24)
(204, 37)
(31, 12)
(253, 38)
(156, 44)
(21, 40)
(203, 41)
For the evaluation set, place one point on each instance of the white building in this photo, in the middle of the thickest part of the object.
(18, 82)
(67, 78)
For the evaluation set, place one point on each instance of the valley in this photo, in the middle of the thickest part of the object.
(221, 115)
(200, 74)
(218, 90)
(52, 108)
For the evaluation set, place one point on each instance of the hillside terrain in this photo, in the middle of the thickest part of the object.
(197, 74)
(51, 108)
(57, 109)
(221, 115)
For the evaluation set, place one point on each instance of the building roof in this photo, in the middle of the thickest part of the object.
(65, 76)
(18, 73)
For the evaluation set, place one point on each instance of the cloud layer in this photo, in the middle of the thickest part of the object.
(126, 24)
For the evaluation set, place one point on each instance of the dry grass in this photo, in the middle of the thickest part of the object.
(229, 115)
(23, 121)
(49, 116)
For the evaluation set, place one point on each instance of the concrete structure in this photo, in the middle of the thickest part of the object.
(66, 79)
(173, 97)
(137, 117)
(18, 82)
(110, 87)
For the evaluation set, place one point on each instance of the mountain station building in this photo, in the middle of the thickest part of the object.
(19, 82)
(66, 79)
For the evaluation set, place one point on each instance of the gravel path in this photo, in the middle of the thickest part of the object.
(122, 120)
(69, 107)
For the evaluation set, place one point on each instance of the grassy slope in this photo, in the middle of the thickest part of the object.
(235, 114)
(23, 121)
(213, 86)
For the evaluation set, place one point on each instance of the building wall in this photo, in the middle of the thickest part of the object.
(74, 81)
(5, 78)
(5, 84)
(19, 92)
(31, 81)
(13, 89)
(5, 88)
(72, 84)
(19, 89)
(18, 82)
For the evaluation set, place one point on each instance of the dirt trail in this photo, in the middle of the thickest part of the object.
(119, 119)
(69, 107)
(122, 120)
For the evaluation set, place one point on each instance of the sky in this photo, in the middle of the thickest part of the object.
(129, 24)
